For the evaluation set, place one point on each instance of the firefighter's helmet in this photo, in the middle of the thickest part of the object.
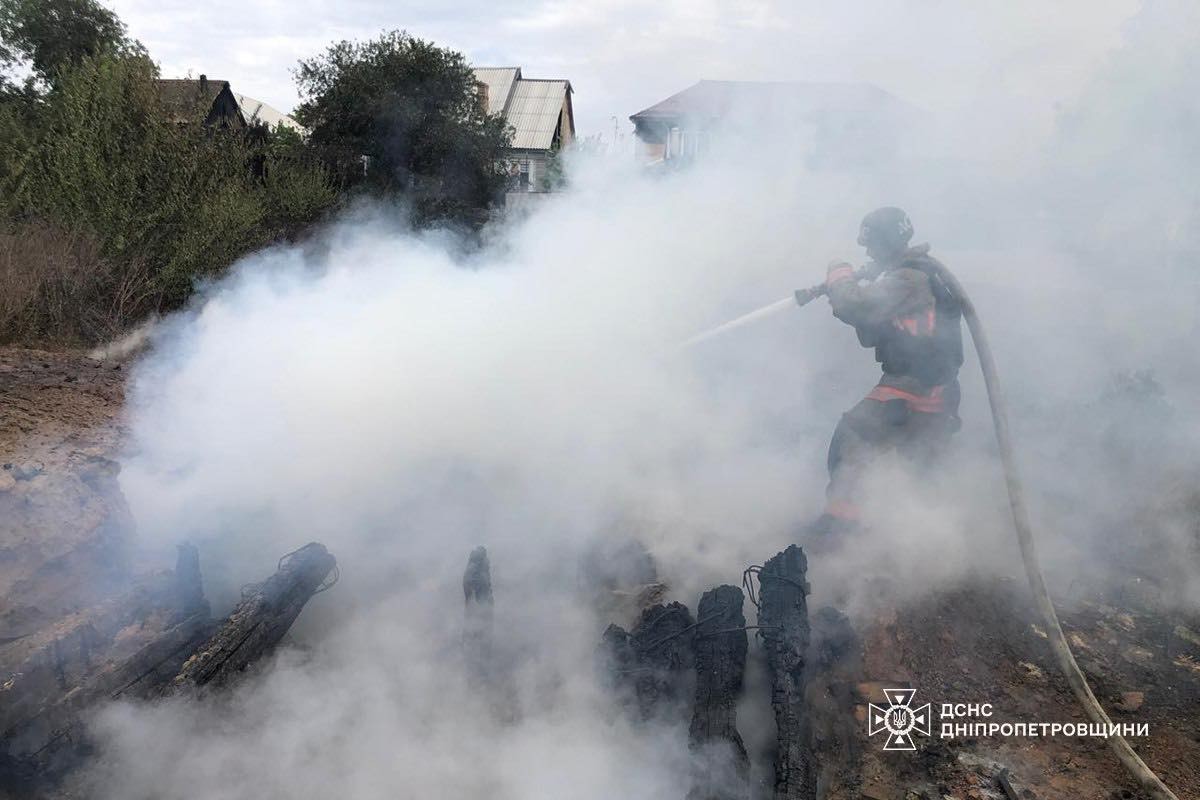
(888, 229)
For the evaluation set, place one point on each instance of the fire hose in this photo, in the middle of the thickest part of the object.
(1145, 777)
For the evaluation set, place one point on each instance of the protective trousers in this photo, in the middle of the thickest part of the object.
(916, 424)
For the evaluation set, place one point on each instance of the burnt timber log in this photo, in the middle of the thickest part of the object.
(488, 672)
(124, 647)
(477, 626)
(260, 620)
(650, 666)
(719, 648)
(49, 743)
(617, 663)
(38, 671)
(783, 623)
(138, 645)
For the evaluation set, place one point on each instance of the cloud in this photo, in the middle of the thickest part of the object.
(1008, 63)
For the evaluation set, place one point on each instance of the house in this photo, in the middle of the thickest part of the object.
(833, 123)
(212, 103)
(541, 117)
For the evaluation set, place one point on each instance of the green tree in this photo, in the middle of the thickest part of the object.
(108, 208)
(554, 178)
(49, 36)
(398, 115)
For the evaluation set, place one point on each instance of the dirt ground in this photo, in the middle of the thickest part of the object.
(983, 644)
(60, 408)
(65, 535)
(64, 527)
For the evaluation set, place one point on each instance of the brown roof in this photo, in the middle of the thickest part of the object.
(191, 99)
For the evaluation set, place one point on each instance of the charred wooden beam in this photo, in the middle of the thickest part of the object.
(783, 623)
(129, 646)
(618, 661)
(39, 670)
(487, 672)
(158, 636)
(260, 620)
(650, 667)
(719, 648)
(663, 643)
(51, 741)
(477, 627)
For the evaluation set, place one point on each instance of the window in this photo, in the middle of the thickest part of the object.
(674, 143)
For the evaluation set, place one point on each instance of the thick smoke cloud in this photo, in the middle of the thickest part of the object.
(379, 391)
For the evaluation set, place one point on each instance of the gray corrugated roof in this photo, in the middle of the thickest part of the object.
(534, 112)
(532, 108)
(715, 99)
(499, 81)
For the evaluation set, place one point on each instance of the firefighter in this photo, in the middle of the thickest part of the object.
(898, 306)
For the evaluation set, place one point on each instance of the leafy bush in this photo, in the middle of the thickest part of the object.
(102, 159)
(298, 192)
(55, 287)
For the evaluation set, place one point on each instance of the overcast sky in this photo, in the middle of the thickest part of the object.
(1003, 63)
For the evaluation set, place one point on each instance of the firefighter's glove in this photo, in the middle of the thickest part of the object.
(838, 271)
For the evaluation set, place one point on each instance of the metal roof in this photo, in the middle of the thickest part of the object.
(534, 112)
(258, 111)
(532, 108)
(499, 82)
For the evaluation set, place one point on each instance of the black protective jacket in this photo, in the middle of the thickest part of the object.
(909, 316)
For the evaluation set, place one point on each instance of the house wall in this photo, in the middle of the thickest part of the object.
(832, 140)
(525, 201)
(669, 139)
(652, 151)
(530, 171)
(566, 135)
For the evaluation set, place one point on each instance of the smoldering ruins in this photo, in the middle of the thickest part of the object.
(667, 635)
(380, 515)
(156, 640)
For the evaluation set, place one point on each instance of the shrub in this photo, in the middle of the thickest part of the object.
(98, 156)
(56, 288)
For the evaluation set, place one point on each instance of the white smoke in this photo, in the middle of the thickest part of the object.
(402, 404)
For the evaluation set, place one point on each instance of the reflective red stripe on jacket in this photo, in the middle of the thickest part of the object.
(843, 510)
(917, 325)
(932, 403)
